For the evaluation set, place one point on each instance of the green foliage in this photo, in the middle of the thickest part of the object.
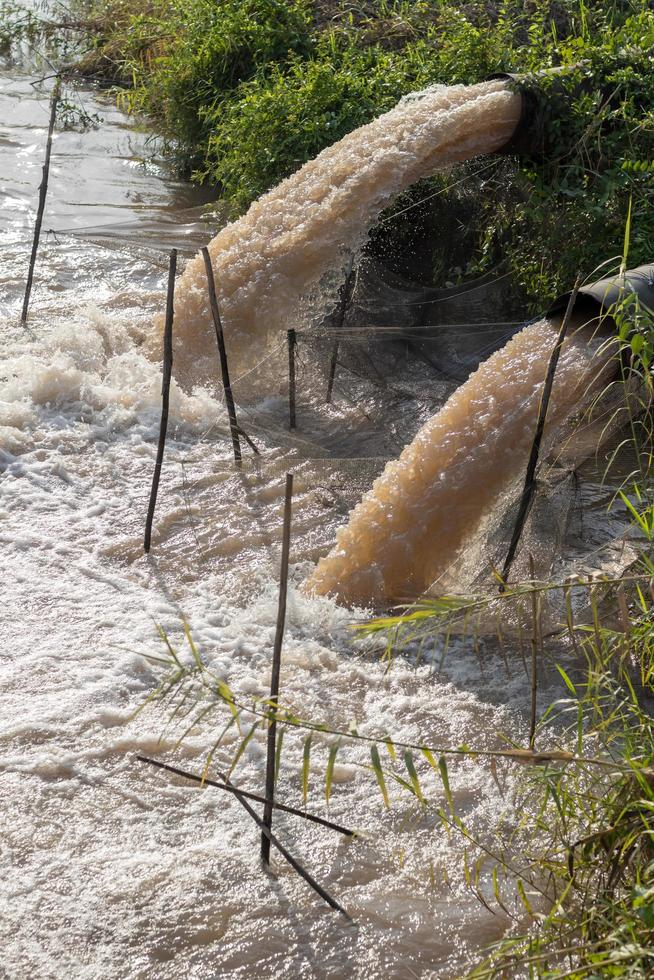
(192, 54)
(594, 831)
(245, 91)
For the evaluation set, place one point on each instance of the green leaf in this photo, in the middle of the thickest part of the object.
(413, 776)
(194, 649)
(568, 683)
(379, 773)
(329, 775)
(523, 897)
(306, 759)
(242, 747)
(442, 768)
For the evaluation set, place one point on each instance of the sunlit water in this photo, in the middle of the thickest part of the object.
(111, 869)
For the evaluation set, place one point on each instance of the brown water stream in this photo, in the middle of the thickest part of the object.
(113, 871)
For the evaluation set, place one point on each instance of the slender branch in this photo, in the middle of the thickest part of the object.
(228, 787)
(220, 338)
(165, 398)
(276, 669)
(43, 190)
(530, 485)
(294, 863)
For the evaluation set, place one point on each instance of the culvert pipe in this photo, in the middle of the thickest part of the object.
(541, 93)
(605, 293)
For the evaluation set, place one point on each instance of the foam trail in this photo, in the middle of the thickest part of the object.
(410, 527)
(294, 235)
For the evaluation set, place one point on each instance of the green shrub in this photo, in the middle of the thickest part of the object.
(245, 91)
(194, 52)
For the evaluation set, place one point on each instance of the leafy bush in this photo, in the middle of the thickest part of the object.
(204, 50)
(245, 91)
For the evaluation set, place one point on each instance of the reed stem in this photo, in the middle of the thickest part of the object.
(165, 398)
(276, 668)
(229, 398)
(43, 190)
(530, 484)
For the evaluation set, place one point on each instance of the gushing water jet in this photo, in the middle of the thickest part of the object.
(426, 507)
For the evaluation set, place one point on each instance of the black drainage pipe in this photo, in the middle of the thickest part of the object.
(545, 97)
(605, 293)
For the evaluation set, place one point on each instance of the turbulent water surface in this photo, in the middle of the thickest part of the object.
(111, 869)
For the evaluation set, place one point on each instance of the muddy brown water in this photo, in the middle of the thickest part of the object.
(112, 871)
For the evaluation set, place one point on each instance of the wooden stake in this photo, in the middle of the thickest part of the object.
(535, 612)
(530, 484)
(292, 341)
(294, 863)
(226, 785)
(165, 398)
(43, 190)
(345, 298)
(274, 680)
(229, 399)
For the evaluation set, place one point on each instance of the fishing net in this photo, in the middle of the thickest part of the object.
(452, 328)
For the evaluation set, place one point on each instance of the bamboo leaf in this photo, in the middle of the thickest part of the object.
(379, 773)
(216, 746)
(164, 636)
(413, 776)
(306, 759)
(568, 683)
(497, 893)
(442, 768)
(194, 649)
(523, 897)
(242, 747)
(329, 775)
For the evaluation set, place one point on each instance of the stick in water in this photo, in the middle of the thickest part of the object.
(294, 863)
(165, 398)
(292, 341)
(535, 612)
(229, 398)
(274, 680)
(226, 785)
(346, 296)
(43, 190)
(530, 485)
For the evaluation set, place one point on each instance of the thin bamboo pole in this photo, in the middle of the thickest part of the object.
(165, 397)
(276, 667)
(294, 863)
(43, 190)
(229, 398)
(292, 341)
(535, 637)
(530, 484)
(344, 302)
(226, 785)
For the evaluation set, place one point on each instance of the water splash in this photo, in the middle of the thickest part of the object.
(302, 229)
(411, 526)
